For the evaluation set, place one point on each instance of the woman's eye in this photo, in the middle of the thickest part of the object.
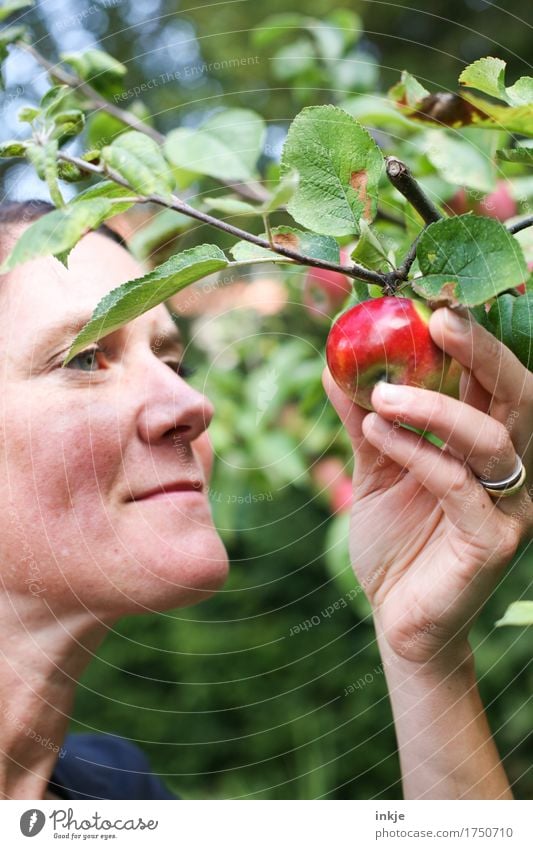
(180, 368)
(86, 360)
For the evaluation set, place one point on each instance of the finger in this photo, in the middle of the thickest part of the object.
(372, 471)
(495, 367)
(482, 441)
(462, 498)
(350, 414)
(472, 392)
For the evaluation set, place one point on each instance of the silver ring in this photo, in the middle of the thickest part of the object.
(509, 485)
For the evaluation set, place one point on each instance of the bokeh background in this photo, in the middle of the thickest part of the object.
(274, 688)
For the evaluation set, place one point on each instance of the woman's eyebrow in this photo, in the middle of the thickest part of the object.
(165, 338)
(68, 327)
(62, 330)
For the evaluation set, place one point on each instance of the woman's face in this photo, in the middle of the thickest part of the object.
(81, 446)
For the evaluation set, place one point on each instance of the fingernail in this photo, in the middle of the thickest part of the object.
(390, 391)
(455, 323)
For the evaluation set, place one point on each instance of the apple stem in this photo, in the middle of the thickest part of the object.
(402, 180)
(521, 225)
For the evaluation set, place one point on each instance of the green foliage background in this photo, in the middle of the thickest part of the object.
(226, 698)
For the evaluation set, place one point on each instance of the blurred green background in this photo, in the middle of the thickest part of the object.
(234, 698)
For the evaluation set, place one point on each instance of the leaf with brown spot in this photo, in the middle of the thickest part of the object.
(340, 166)
(312, 245)
(457, 110)
(468, 259)
(287, 240)
(359, 183)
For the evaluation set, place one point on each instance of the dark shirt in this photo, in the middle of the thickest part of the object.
(99, 766)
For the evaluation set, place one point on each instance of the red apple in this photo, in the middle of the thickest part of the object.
(325, 291)
(458, 204)
(384, 339)
(498, 204)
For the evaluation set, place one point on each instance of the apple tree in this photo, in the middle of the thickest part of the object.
(411, 193)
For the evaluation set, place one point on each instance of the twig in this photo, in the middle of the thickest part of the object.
(250, 191)
(403, 271)
(402, 180)
(398, 276)
(355, 271)
(521, 225)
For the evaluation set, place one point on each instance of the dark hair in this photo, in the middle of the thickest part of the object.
(27, 211)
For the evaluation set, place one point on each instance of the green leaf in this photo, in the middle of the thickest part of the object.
(349, 23)
(374, 110)
(69, 172)
(103, 129)
(339, 166)
(28, 114)
(511, 321)
(275, 27)
(58, 231)
(282, 193)
(293, 59)
(523, 155)
(513, 119)
(95, 66)
(455, 110)
(468, 259)
(68, 124)
(459, 161)
(488, 75)
(518, 613)
(358, 72)
(10, 36)
(50, 172)
(332, 34)
(13, 6)
(13, 148)
(408, 92)
(160, 230)
(226, 146)
(369, 250)
(108, 190)
(36, 155)
(521, 92)
(280, 196)
(136, 297)
(230, 206)
(139, 160)
(311, 245)
(54, 99)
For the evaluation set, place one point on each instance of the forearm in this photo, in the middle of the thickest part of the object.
(445, 744)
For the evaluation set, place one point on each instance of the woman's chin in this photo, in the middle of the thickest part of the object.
(177, 576)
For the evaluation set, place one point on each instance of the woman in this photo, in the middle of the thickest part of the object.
(105, 472)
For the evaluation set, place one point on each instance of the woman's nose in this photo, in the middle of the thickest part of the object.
(170, 405)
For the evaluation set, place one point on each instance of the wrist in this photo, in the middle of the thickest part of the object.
(454, 662)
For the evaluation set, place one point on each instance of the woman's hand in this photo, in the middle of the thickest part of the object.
(427, 542)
